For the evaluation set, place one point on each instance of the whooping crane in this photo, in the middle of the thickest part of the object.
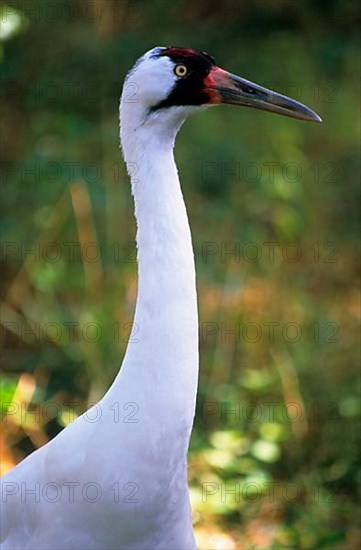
(123, 485)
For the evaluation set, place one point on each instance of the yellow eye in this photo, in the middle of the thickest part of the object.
(180, 70)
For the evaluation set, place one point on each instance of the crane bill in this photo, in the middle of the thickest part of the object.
(227, 88)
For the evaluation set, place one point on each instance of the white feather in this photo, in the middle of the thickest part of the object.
(145, 460)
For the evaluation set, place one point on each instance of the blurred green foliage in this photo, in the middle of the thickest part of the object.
(248, 177)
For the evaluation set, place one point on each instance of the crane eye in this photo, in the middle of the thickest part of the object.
(180, 70)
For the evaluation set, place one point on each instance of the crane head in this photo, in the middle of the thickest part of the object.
(185, 79)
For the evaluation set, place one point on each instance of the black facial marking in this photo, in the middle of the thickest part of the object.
(188, 90)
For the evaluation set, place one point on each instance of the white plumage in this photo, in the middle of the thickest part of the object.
(123, 485)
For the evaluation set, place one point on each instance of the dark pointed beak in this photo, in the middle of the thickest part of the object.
(224, 87)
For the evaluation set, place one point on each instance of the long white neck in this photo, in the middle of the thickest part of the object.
(164, 361)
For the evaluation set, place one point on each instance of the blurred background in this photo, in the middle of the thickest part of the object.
(273, 206)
